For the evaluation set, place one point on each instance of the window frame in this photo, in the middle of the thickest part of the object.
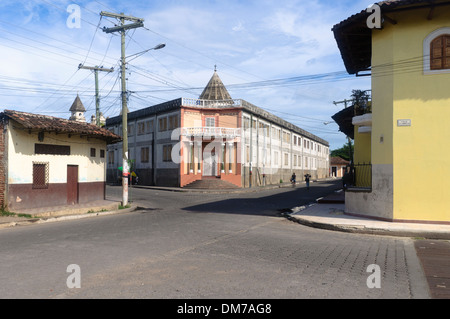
(44, 185)
(427, 50)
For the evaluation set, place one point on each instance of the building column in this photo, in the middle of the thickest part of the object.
(199, 147)
(230, 157)
(222, 162)
(191, 156)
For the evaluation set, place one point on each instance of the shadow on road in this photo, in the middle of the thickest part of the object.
(268, 205)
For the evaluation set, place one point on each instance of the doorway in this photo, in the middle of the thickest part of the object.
(72, 184)
(209, 164)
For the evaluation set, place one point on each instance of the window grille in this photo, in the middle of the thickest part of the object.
(40, 175)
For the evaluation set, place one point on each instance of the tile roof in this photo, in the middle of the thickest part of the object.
(354, 38)
(215, 90)
(77, 105)
(53, 124)
(337, 160)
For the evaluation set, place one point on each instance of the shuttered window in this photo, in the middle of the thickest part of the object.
(440, 53)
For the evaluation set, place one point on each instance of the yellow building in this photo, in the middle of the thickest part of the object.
(406, 134)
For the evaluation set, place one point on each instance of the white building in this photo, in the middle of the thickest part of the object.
(181, 142)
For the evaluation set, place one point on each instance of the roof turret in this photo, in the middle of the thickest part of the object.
(215, 90)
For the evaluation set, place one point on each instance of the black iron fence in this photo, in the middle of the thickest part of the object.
(358, 176)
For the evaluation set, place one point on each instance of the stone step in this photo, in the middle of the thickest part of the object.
(211, 184)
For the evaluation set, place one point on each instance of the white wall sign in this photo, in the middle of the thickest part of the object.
(403, 122)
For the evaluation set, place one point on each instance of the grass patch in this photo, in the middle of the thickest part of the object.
(124, 207)
(4, 213)
(91, 211)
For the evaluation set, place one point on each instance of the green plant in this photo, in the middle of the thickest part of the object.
(5, 213)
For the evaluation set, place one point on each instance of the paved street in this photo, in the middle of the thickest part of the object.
(197, 245)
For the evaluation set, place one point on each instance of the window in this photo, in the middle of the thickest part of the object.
(173, 122)
(92, 152)
(50, 149)
(130, 129)
(167, 153)
(210, 122)
(246, 123)
(163, 124)
(436, 52)
(286, 159)
(141, 128)
(102, 153)
(440, 53)
(145, 155)
(40, 176)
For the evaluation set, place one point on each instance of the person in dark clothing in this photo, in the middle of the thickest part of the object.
(293, 178)
(307, 179)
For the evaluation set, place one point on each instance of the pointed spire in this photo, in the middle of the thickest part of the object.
(77, 110)
(77, 105)
(215, 90)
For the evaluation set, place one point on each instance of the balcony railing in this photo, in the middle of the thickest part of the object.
(211, 104)
(223, 132)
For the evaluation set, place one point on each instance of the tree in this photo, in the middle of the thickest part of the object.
(361, 101)
(343, 152)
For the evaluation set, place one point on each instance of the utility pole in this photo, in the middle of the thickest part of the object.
(97, 97)
(122, 28)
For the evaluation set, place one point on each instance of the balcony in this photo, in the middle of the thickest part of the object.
(211, 104)
(222, 132)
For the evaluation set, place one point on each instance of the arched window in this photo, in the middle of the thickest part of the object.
(440, 53)
(436, 52)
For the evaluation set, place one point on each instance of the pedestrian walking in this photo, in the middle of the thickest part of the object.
(293, 179)
(307, 179)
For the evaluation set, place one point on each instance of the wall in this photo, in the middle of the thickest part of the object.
(410, 163)
(421, 159)
(378, 203)
(21, 155)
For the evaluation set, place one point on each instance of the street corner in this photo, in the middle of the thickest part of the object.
(43, 215)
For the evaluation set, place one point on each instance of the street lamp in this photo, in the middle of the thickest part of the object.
(136, 55)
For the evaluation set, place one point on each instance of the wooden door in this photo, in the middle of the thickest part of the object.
(72, 184)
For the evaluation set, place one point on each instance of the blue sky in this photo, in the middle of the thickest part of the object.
(249, 41)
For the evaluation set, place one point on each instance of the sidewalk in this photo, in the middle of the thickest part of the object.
(45, 214)
(329, 213)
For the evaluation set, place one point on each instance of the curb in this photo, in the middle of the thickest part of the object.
(361, 229)
(67, 217)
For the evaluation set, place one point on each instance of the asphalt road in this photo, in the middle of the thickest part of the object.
(197, 245)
